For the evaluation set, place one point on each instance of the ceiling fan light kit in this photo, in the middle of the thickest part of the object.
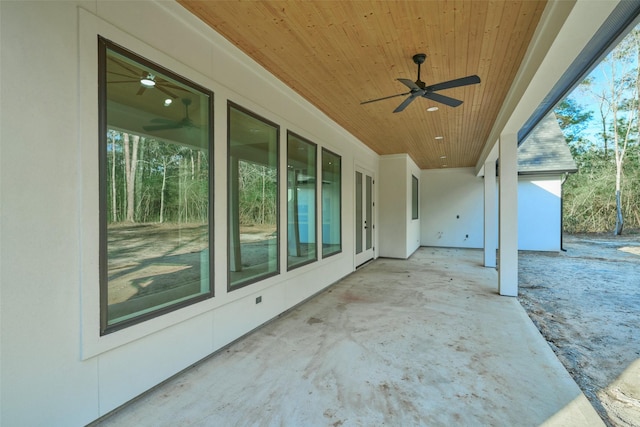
(420, 89)
(148, 81)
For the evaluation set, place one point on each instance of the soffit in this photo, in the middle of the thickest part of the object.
(337, 54)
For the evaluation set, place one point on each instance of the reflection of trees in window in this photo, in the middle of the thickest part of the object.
(154, 188)
(331, 203)
(257, 187)
(253, 198)
(151, 181)
(301, 201)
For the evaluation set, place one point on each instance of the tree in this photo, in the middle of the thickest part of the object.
(573, 120)
(617, 98)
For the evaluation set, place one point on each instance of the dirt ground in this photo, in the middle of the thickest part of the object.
(586, 303)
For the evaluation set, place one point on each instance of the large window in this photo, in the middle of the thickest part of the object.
(301, 201)
(253, 197)
(331, 203)
(155, 189)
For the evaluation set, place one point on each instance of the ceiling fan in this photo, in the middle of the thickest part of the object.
(145, 79)
(167, 124)
(420, 89)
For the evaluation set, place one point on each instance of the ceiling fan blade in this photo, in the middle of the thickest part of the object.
(124, 65)
(410, 84)
(464, 81)
(123, 75)
(162, 120)
(167, 126)
(451, 102)
(166, 91)
(386, 97)
(408, 101)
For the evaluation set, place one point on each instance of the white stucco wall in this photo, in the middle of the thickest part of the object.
(452, 210)
(539, 213)
(56, 369)
(399, 233)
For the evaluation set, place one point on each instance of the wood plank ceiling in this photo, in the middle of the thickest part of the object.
(337, 54)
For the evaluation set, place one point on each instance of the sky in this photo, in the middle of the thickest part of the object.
(599, 76)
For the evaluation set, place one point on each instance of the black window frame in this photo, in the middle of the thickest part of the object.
(316, 199)
(415, 211)
(105, 44)
(253, 280)
(339, 250)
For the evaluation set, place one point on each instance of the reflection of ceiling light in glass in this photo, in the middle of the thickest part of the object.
(444, 166)
(148, 81)
(167, 102)
(432, 109)
(439, 137)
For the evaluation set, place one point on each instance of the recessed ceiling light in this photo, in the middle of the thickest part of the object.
(167, 102)
(439, 137)
(432, 109)
(443, 157)
(444, 166)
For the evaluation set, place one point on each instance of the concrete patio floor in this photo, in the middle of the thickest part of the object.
(419, 342)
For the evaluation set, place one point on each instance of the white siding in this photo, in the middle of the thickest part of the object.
(56, 370)
(399, 233)
(452, 208)
(539, 214)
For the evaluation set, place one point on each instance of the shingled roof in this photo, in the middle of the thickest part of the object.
(545, 150)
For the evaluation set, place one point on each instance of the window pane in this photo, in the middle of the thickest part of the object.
(331, 204)
(414, 197)
(301, 201)
(154, 189)
(253, 198)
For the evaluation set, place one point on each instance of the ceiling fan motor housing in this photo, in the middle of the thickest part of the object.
(419, 58)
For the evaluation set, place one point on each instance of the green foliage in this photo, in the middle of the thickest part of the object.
(572, 118)
(610, 153)
(589, 203)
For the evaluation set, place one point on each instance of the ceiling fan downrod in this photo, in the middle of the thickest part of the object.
(419, 59)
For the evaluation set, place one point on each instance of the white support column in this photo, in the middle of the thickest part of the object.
(490, 214)
(508, 219)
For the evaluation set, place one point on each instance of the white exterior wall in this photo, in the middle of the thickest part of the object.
(451, 208)
(399, 233)
(539, 213)
(56, 369)
(451, 205)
